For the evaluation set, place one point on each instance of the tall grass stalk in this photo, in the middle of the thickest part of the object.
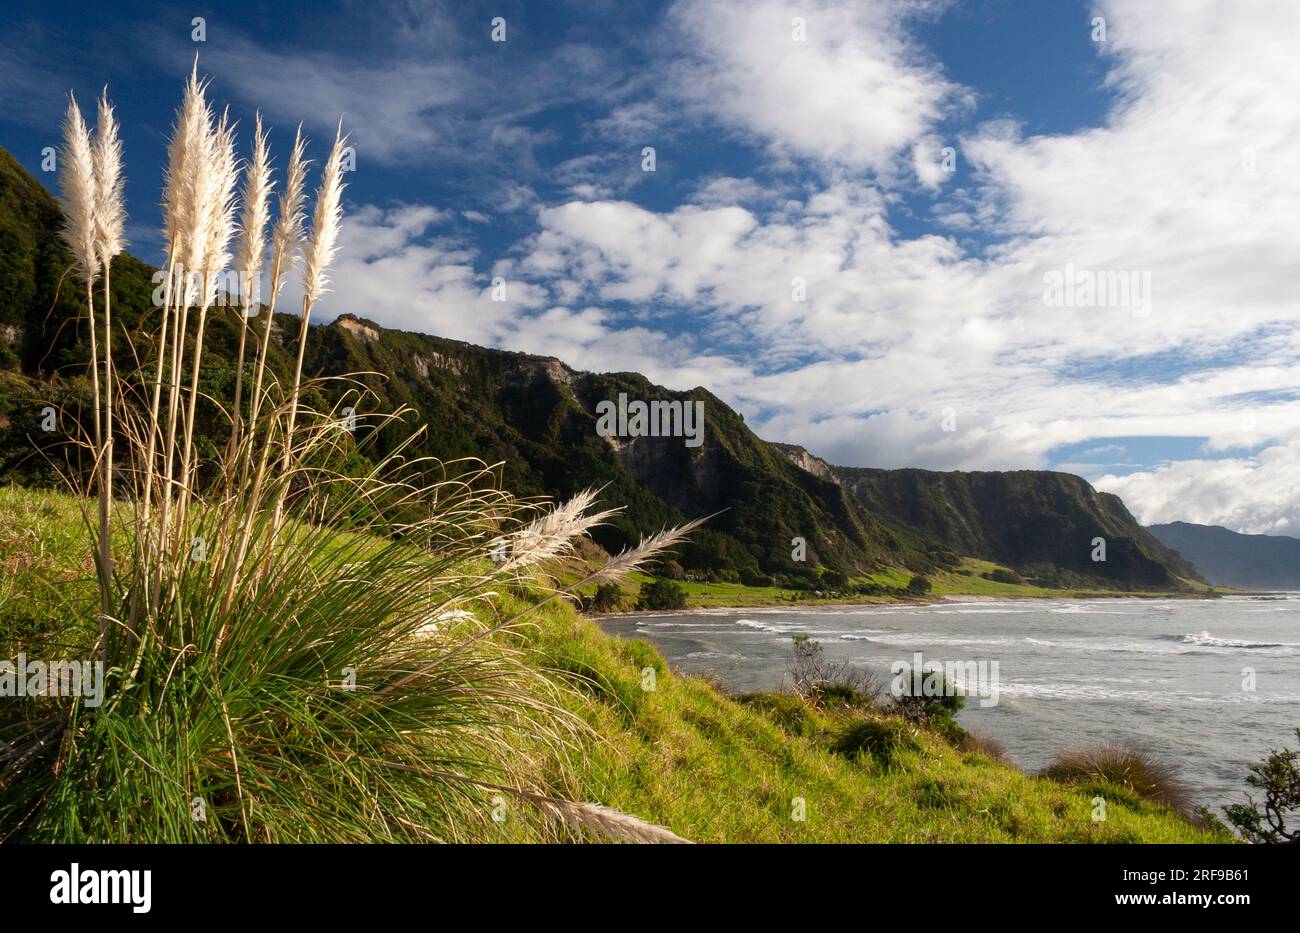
(252, 249)
(81, 195)
(110, 221)
(318, 252)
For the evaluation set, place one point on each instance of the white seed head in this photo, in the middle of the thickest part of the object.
(288, 226)
(256, 207)
(185, 155)
(325, 223)
(219, 202)
(110, 208)
(77, 182)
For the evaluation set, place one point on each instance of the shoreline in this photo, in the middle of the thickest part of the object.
(946, 598)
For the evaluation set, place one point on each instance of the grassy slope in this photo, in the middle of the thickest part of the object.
(715, 770)
(683, 755)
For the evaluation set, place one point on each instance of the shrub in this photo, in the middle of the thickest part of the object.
(974, 744)
(660, 595)
(919, 586)
(823, 682)
(312, 655)
(1003, 575)
(919, 700)
(882, 739)
(607, 598)
(1279, 778)
(1125, 766)
(757, 579)
(672, 570)
(835, 579)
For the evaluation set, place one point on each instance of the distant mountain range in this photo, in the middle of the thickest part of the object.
(1228, 558)
(537, 417)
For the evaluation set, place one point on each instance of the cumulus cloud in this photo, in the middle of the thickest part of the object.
(795, 296)
(1252, 495)
(854, 91)
(405, 268)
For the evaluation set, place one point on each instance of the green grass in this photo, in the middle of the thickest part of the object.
(670, 749)
(717, 770)
(968, 580)
(47, 575)
(965, 580)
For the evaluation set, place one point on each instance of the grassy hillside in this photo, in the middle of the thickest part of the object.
(683, 755)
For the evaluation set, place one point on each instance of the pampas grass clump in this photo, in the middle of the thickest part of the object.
(1126, 766)
(291, 653)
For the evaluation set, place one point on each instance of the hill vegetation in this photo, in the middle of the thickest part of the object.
(779, 515)
(669, 749)
(1228, 558)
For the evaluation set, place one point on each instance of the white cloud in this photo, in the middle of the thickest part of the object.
(928, 157)
(856, 92)
(319, 87)
(894, 330)
(1255, 495)
(398, 267)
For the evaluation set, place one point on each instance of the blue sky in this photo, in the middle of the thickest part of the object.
(1162, 149)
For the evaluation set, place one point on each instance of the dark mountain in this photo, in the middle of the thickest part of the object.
(537, 419)
(1041, 523)
(1251, 562)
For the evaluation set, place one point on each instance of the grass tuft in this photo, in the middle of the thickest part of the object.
(1133, 770)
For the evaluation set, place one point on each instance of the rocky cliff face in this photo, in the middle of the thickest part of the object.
(1033, 520)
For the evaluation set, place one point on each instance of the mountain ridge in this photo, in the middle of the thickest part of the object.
(535, 416)
(1230, 558)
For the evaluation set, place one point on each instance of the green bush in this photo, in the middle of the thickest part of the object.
(661, 594)
(881, 739)
(1003, 575)
(919, 586)
(1278, 776)
(672, 570)
(835, 579)
(936, 708)
(607, 598)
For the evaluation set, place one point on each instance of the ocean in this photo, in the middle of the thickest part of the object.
(1208, 685)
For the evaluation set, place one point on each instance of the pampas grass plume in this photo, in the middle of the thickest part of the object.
(288, 230)
(256, 207)
(323, 245)
(77, 181)
(110, 211)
